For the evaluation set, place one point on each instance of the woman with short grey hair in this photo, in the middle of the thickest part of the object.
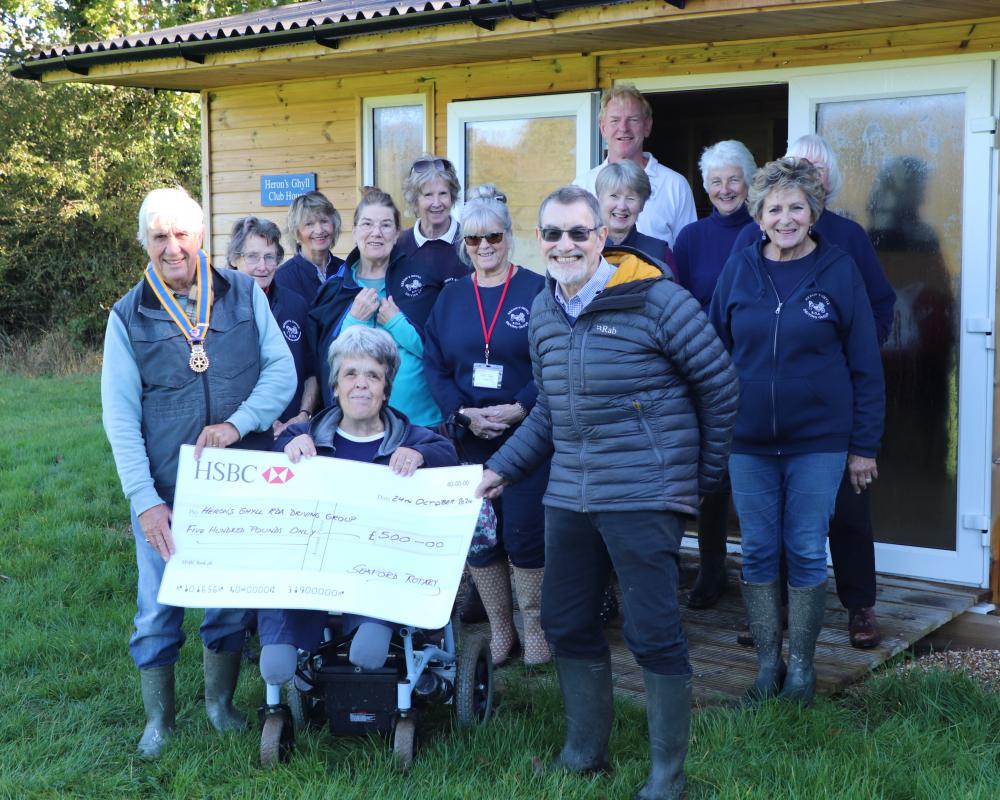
(480, 376)
(359, 426)
(255, 250)
(702, 249)
(622, 191)
(314, 226)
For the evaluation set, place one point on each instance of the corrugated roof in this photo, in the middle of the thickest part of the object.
(297, 16)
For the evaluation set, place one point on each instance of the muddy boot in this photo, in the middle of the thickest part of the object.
(588, 708)
(493, 582)
(157, 686)
(763, 605)
(668, 715)
(712, 581)
(806, 607)
(529, 598)
(222, 670)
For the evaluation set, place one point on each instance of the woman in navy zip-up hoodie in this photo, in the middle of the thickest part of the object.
(795, 316)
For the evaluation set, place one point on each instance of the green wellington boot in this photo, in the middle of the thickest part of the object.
(157, 686)
(588, 708)
(763, 605)
(668, 715)
(222, 671)
(806, 607)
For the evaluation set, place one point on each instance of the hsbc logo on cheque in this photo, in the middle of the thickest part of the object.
(278, 474)
(228, 472)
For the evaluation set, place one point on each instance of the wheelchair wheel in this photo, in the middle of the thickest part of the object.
(404, 740)
(298, 705)
(277, 738)
(474, 682)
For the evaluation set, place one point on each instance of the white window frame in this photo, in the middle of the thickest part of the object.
(368, 106)
(582, 105)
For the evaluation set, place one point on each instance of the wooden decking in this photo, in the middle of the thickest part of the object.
(907, 610)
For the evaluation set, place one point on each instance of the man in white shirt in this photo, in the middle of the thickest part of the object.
(626, 120)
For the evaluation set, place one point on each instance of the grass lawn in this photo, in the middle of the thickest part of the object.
(70, 712)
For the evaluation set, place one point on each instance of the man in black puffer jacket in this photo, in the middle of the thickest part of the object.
(636, 404)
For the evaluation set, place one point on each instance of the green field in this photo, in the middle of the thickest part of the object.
(70, 712)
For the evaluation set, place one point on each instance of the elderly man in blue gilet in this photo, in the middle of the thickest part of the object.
(191, 356)
(636, 405)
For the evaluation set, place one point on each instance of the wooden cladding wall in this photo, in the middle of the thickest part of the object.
(315, 126)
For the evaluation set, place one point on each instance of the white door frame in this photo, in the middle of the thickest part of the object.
(974, 76)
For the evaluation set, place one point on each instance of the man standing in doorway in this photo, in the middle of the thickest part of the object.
(626, 120)
(636, 404)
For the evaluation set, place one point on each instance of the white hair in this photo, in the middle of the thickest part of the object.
(727, 153)
(814, 147)
(172, 206)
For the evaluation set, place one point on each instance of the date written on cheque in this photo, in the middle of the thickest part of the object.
(390, 537)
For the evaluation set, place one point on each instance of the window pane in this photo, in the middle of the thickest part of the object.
(526, 159)
(902, 164)
(398, 140)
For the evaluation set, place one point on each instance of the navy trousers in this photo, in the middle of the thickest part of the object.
(642, 546)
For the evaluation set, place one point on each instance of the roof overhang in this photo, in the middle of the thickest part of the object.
(470, 31)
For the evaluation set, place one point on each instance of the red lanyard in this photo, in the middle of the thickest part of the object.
(488, 334)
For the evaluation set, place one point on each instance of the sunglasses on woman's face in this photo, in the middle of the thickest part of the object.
(437, 163)
(491, 238)
(578, 234)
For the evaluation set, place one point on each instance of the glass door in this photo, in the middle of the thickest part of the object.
(918, 173)
(527, 146)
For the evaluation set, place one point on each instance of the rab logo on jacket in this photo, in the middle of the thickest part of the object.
(817, 306)
(278, 475)
(609, 330)
(412, 286)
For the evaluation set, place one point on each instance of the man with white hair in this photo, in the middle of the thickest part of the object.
(191, 356)
(626, 120)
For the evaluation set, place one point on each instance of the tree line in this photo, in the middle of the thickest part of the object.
(77, 159)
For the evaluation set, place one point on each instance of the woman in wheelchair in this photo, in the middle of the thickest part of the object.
(359, 426)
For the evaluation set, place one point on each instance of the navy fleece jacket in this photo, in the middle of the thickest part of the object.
(851, 237)
(809, 367)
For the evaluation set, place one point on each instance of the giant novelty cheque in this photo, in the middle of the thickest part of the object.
(253, 530)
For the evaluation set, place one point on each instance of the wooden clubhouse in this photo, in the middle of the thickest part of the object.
(348, 91)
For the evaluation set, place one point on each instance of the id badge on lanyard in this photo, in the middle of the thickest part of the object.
(487, 376)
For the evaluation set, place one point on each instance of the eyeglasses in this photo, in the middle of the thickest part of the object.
(491, 238)
(253, 259)
(577, 234)
(367, 226)
(426, 163)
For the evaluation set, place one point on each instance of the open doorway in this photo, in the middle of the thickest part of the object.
(685, 123)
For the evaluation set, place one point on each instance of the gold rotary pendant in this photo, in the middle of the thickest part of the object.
(199, 358)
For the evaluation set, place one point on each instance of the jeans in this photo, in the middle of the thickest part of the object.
(158, 634)
(580, 550)
(785, 503)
